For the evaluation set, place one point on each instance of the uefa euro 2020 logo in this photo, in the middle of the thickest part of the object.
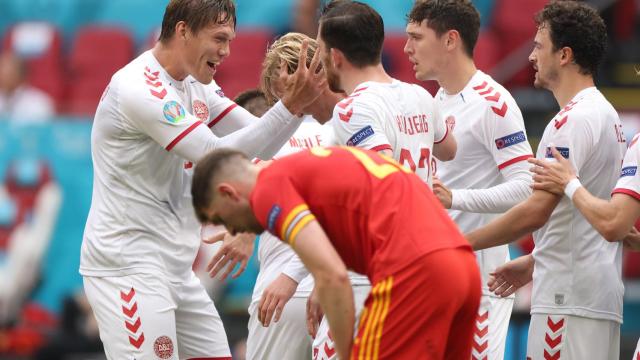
(173, 112)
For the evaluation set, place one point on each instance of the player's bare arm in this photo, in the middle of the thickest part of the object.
(446, 150)
(612, 219)
(522, 219)
(331, 283)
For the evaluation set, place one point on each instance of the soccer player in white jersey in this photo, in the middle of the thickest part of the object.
(576, 305)
(489, 173)
(613, 219)
(277, 331)
(380, 113)
(153, 122)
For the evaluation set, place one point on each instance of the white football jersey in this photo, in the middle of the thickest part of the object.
(273, 254)
(146, 129)
(397, 116)
(489, 130)
(577, 272)
(629, 181)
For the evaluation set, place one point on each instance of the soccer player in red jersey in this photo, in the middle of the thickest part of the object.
(343, 208)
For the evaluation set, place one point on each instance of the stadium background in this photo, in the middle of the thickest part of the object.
(72, 47)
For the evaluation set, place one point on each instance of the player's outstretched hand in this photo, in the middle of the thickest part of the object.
(442, 193)
(632, 240)
(508, 278)
(305, 85)
(552, 176)
(314, 314)
(234, 250)
(274, 298)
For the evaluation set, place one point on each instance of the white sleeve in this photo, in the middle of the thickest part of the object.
(441, 130)
(499, 198)
(295, 269)
(629, 182)
(228, 117)
(357, 124)
(167, 122)
(506, 139)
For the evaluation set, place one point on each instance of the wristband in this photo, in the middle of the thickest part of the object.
(571, 188)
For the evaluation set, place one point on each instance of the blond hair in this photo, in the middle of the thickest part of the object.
(286, 49)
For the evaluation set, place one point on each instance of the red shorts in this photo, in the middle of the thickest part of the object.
(425, 311)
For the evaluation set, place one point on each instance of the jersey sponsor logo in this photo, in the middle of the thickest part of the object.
(200, 110)
(360, 136)
(163, 347)
(173, 112)
(510, 140)
(273, 217)
(220, 93)
(628, 171)
(562, 150)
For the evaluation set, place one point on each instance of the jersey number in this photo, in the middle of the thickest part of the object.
(423, 162)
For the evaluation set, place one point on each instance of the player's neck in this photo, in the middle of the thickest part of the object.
(356, 76)
(457, 74)
(570, 85)
(166, 56)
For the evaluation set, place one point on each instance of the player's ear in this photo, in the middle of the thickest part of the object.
(227, 191)
(566, 56)
(451, 39)
(337, 57)
(181, 30)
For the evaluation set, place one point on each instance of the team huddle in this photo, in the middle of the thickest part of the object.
(383, 213)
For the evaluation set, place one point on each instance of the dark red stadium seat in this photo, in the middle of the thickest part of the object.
(487, 51)
(399, 66)
(97, 53)
(513, 24)
(241, 70)
(44, 65)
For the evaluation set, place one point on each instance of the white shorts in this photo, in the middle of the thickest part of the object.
(143, 316)
(566, 337)
(287, 339)
(323, 347)
(491, 329)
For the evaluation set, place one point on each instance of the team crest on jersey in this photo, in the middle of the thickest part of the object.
(201, 111)
(163, 347)
(220, 93)
(360, 136)
(451, 122)
(562, 150)
(510, 140)
(173, 112)
(273, 217)
(628, 171)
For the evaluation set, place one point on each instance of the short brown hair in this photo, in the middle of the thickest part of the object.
(286, 49)
(577, 26)
(354, 28)
(445, 15)
(204, 175)
(197, 14)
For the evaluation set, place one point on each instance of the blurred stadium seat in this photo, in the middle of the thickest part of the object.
(97, 53)
(40, 44)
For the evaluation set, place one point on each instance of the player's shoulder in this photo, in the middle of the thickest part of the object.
(483, 91)
(363, 100)
(141, 78)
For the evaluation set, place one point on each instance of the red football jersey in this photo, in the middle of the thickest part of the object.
(378, 216)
